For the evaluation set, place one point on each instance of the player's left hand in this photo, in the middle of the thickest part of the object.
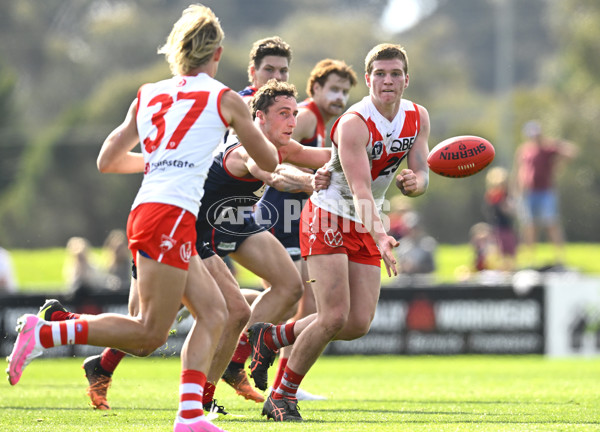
(406, 181)
(321, 179)
(386, 245)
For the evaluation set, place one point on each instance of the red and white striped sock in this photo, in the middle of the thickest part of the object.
(57, 333)
(288, 386)
(191, 390)
(280, 369)
(280, 336)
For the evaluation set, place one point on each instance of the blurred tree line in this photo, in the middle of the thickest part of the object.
(70, 69)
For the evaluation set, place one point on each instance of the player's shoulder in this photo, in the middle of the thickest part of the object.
(248, 91)
(409, 105)
(306, 117)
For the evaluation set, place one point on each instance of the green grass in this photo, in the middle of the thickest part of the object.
(42, 269)
(465, 393)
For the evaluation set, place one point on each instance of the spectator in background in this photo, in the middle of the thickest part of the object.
(536, 162)
(485, 247)
(399, 206)
(500, 212)
(119, 260)
(416, 251)
(83, 276)
(7, 275)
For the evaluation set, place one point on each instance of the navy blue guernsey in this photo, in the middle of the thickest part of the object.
(289, 205)
(227, 204)
(248, 91)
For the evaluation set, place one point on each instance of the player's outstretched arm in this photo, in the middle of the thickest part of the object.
(236, 113)
(352, 135)
(115, 155)
(415, 180)
(304, 156)
(285, 177)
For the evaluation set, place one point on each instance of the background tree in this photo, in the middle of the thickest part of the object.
(69, 69)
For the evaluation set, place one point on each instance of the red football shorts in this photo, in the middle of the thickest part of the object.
(323, 233)
(162, 232)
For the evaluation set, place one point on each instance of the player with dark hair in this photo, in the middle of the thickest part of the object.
(342, 234)
(270, 58)
(328, 89)
(231, 190)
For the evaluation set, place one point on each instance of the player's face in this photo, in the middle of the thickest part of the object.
(271, 67)
(333, 96)
(387, 80)
(279, 121)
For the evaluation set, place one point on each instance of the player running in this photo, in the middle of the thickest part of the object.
(342, 235)
(328, 89)
(233, 187)
(170, 119)
(270, 58)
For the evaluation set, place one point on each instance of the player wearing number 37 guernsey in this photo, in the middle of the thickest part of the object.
(178, 123)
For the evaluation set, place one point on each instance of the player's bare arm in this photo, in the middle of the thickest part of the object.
(304, 156)
(352, 136)
(236, 113)
(116, 155)
(285, 177)
(414, 180)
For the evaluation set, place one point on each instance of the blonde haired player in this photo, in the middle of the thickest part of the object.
(178, 122)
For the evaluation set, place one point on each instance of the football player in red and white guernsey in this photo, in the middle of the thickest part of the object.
(328, 88)
(343, 237)
(178, 122)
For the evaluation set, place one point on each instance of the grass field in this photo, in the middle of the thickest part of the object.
(41, 269)
(474, 393)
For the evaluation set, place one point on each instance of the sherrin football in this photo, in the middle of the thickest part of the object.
(461, 156)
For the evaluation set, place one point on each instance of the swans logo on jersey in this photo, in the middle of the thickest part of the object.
(377, 150)
(185, 251)
(237, 216)
(166, 243)
(181, 82)
(333, 238)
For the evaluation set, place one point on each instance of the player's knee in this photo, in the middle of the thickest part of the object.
(238, 314)
(219, 314)
(150, 342)
(354, 330)
(356, 326)
(288, 285)
(295, 292)
(333, 322)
